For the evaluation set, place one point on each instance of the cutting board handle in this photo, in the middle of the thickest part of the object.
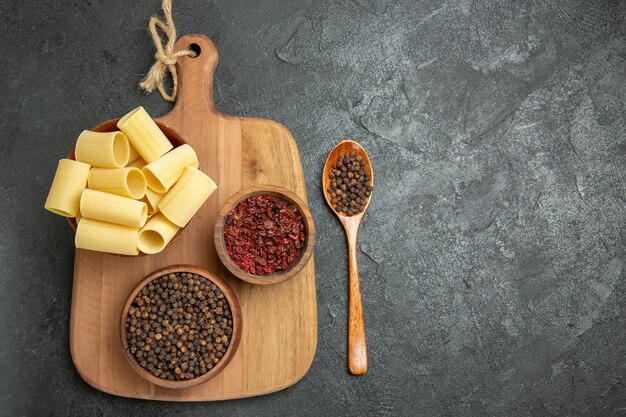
(195, 75)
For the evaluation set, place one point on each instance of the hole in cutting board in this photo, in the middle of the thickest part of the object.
(195, 48)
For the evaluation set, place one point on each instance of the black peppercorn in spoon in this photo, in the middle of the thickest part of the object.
(350, 216)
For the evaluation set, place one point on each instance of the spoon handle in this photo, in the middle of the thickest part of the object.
(357, 348)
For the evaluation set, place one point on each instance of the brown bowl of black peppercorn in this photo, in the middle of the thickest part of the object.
(181, 326)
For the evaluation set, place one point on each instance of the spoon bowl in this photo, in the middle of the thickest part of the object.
(342, 148)
(357, 347)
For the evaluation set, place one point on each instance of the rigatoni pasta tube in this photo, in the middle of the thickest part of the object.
(127, 182)
(133, 155)
(112, 208)
(106, 237)
(156, 234)
(152, 200)
(144, 135)
(102, 149)
(69, 183)
(137, 163)
(165, 171)
(185, 198)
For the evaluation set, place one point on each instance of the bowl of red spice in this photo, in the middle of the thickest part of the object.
(264, 234)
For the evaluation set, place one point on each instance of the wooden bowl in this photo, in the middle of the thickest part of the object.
(235, 338)
(111, 126)
(276, 277)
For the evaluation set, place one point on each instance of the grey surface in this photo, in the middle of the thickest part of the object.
(492, 255)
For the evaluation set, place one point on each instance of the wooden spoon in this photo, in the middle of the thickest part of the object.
(357, 349)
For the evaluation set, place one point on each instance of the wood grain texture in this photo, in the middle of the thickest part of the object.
(276, 277)
(357, 346)
(280, 321)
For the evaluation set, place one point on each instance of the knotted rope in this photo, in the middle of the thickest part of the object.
(165, 57)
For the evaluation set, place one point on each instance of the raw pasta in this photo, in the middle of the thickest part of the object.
(111, 208)
(69, 183)
(165, 171)
(186, 197)
(102, 149)
(137, 163)
(144, 135)
(152, 200)
(133, 155)
(106, 237)
(156, 234)
(127, 182)
(129, 189)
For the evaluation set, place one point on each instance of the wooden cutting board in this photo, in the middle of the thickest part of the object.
(279, 321)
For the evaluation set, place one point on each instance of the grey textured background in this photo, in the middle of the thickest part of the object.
(492, 255)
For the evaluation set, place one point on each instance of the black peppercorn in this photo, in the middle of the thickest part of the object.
(168, 326)
(349, 184)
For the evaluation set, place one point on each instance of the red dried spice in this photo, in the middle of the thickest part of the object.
(264, 234)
